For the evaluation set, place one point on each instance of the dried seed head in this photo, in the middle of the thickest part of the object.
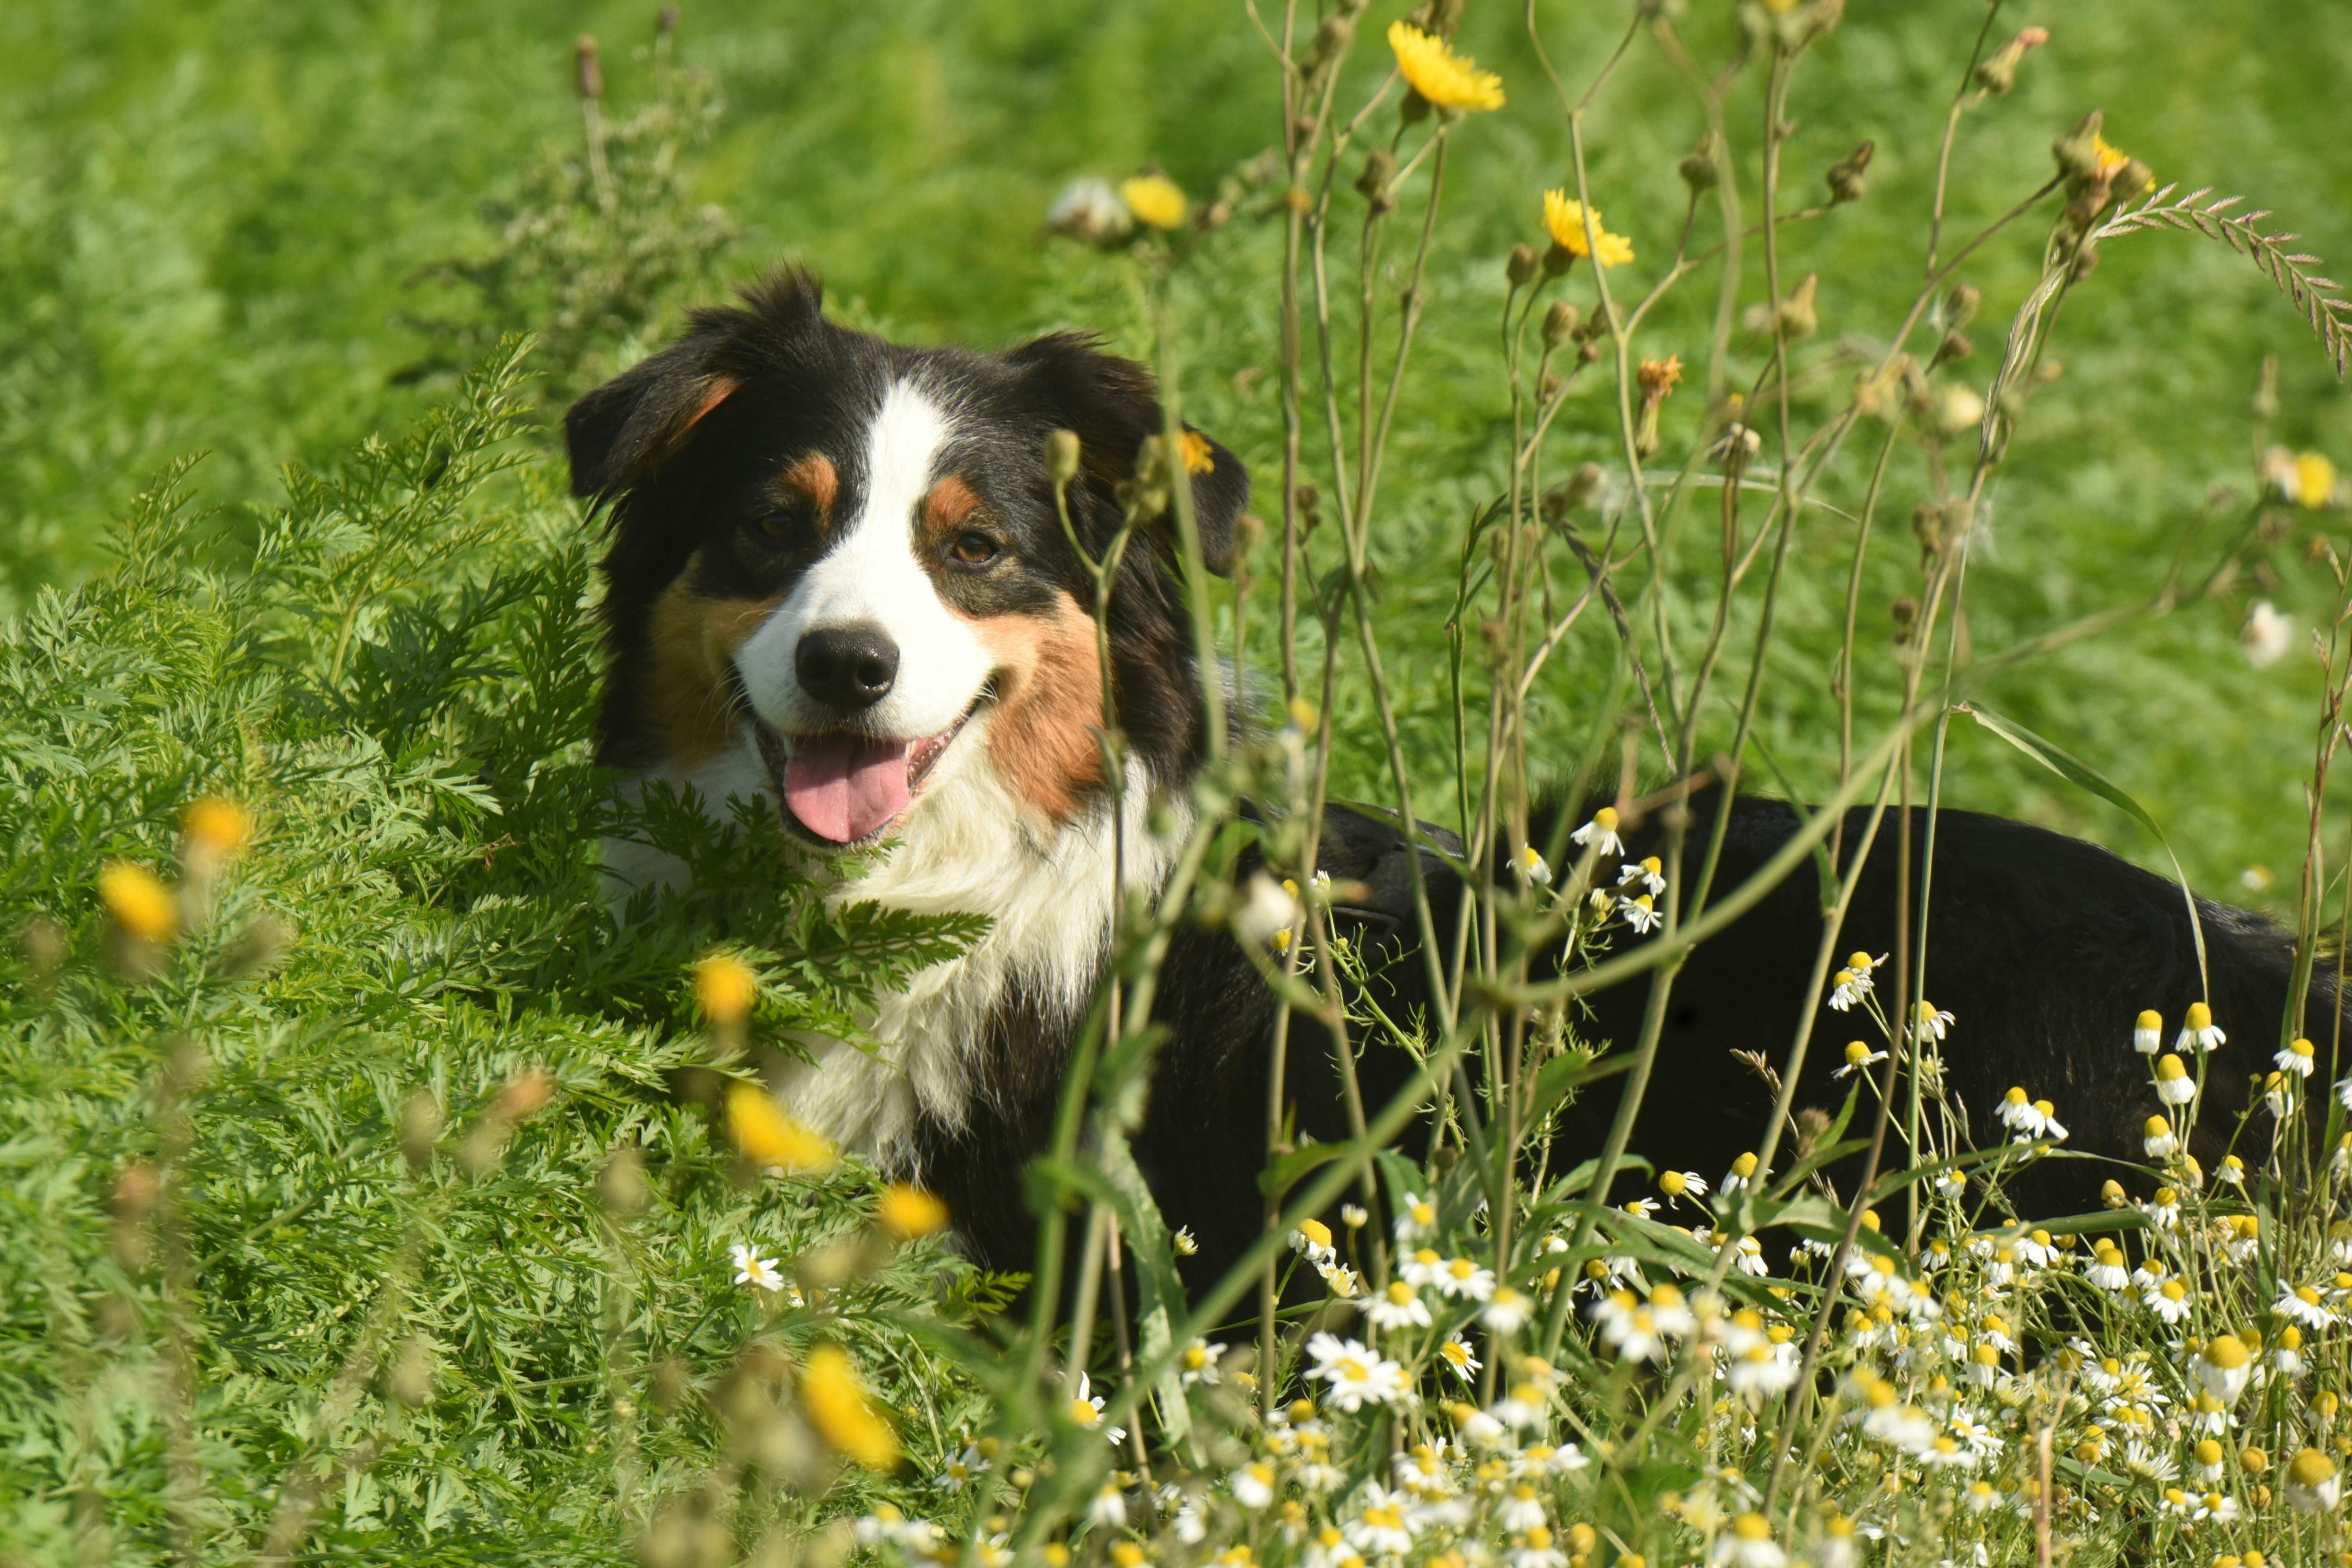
(1331, 40)
(621, 1185)
(1698, 168)
(1997, 72)
(420, 1128)
(588, 71)
(409, 1379)
(1560, 323)
(1960, 306)
(1796, 317)
(1845, 176)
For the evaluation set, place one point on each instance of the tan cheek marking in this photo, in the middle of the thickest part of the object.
(814, 478)
(1043, 735)
(693, 639)
(944, 509)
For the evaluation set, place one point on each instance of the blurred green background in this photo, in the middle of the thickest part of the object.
(212, 216)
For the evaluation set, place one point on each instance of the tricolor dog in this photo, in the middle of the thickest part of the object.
(837, 583)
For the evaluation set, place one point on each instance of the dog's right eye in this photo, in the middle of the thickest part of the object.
(775, 524)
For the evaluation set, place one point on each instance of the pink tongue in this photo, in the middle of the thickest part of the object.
(846, 788)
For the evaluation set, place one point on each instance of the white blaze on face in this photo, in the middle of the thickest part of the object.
(872, 578)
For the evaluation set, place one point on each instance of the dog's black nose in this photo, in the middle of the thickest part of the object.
(846, 667)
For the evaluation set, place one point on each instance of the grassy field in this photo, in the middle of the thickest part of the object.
(368, 1192)
(215, 211)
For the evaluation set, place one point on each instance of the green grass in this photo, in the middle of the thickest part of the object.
(215, 218)
(214, 209)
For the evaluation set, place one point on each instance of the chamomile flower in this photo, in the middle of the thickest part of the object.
(1682, 1183)
(2107, 1268)
(1460, 1358)
(2170, 1302)
(1198, 1364)
(2029, 1119)
(2173, 1084)
(2223, 1368)
(1629, 1328)
(1859, 1058)
(1463, 1277)
(2278, 1095)
(2148, 1034)
(1357, 1375)
(2312, 1484)
(2231, 1171)
(1506, 1312)
(2297, 1058)
(2163, 1211)
(1639, 913)
(1747, 1544)
(1253, 1485)
(2287, 1351)
(1600, 835)
(1086, 1410)
(1650, 871)
(1185, 1243)
(1416, 1217)
(753, 1270)
(2157, 1140)
(2301, 1304)
(1532, 867)
(1933, 1023)
(1853, 981)
(1742, 1171)
(1313, 1239)
(1398, 1307)
(2198, 1030)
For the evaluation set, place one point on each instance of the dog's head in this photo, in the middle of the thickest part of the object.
(846, 554)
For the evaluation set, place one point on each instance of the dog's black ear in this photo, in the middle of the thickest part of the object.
(1113, 405)
(624, 429)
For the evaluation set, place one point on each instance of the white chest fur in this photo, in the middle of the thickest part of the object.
(972, 845)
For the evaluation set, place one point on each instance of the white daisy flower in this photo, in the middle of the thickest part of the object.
(1252, 1484)
(1086, 1410)
(2198, 1031)
(1185, 1243)
(1464, 1278)
(2303, 1305)
(751, 1270)
(1506, 1312)
(2297, 1058)
(2313, 1485)
(2157, 1140)
(1398, 1307)
(1109, 1509)
(1600, 835)
(1933, 1023)
(1521, 1510)
(1859, 1058)
(1198, 1364)
(1416, 1217)
(1381, 1527)
(2173, 1084)
(1357, 1375)
(1313, 1240)
(1530, 866)
(2222, 1368)
(2147, 1033)
(1460, 1358)
(1650, 872)
(1639, 914)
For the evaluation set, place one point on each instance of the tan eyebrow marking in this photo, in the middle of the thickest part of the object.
(946, 507)
(814, 478)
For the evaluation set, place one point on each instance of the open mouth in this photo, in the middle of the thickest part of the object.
(844, 789)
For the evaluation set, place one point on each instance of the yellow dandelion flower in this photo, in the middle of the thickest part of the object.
(1564, 220)
(726, 987)
(843, 1414)
(1199, 457)
(769, 1137)
(220, 826)
(908, 1212)
(1155, 199)
(1446, 80)
(139, 902)
(2315, 479)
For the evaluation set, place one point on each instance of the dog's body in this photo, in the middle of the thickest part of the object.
(838, 581)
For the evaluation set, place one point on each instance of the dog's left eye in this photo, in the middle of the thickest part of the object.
(775, 524)
(974, 549)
